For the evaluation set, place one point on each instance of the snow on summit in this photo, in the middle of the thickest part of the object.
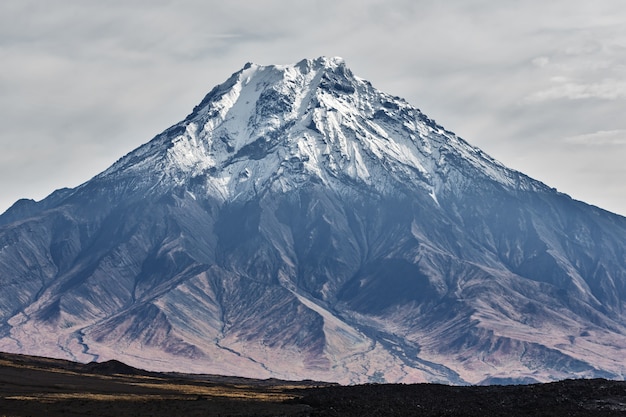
(279, 124)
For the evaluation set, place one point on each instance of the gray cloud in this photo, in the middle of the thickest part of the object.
(563, 88)
(601, 138)
(84, 82)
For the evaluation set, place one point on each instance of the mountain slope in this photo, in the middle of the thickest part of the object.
(300, 223)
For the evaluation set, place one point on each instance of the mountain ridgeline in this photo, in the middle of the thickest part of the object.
(299, 223)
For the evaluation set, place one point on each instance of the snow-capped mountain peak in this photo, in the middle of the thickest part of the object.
(300, 223)
(281, 125)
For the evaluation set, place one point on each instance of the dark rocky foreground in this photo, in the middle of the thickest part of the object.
(31, 386)
(595, 397)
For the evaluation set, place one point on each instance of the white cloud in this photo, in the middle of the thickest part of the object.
(600, 138)
(604, 90)
(541, 61)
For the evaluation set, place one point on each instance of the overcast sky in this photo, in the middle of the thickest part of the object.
(540, 86)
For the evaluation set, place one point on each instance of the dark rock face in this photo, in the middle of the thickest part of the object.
(301, 224)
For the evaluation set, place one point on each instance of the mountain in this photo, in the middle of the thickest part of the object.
(299, 223)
